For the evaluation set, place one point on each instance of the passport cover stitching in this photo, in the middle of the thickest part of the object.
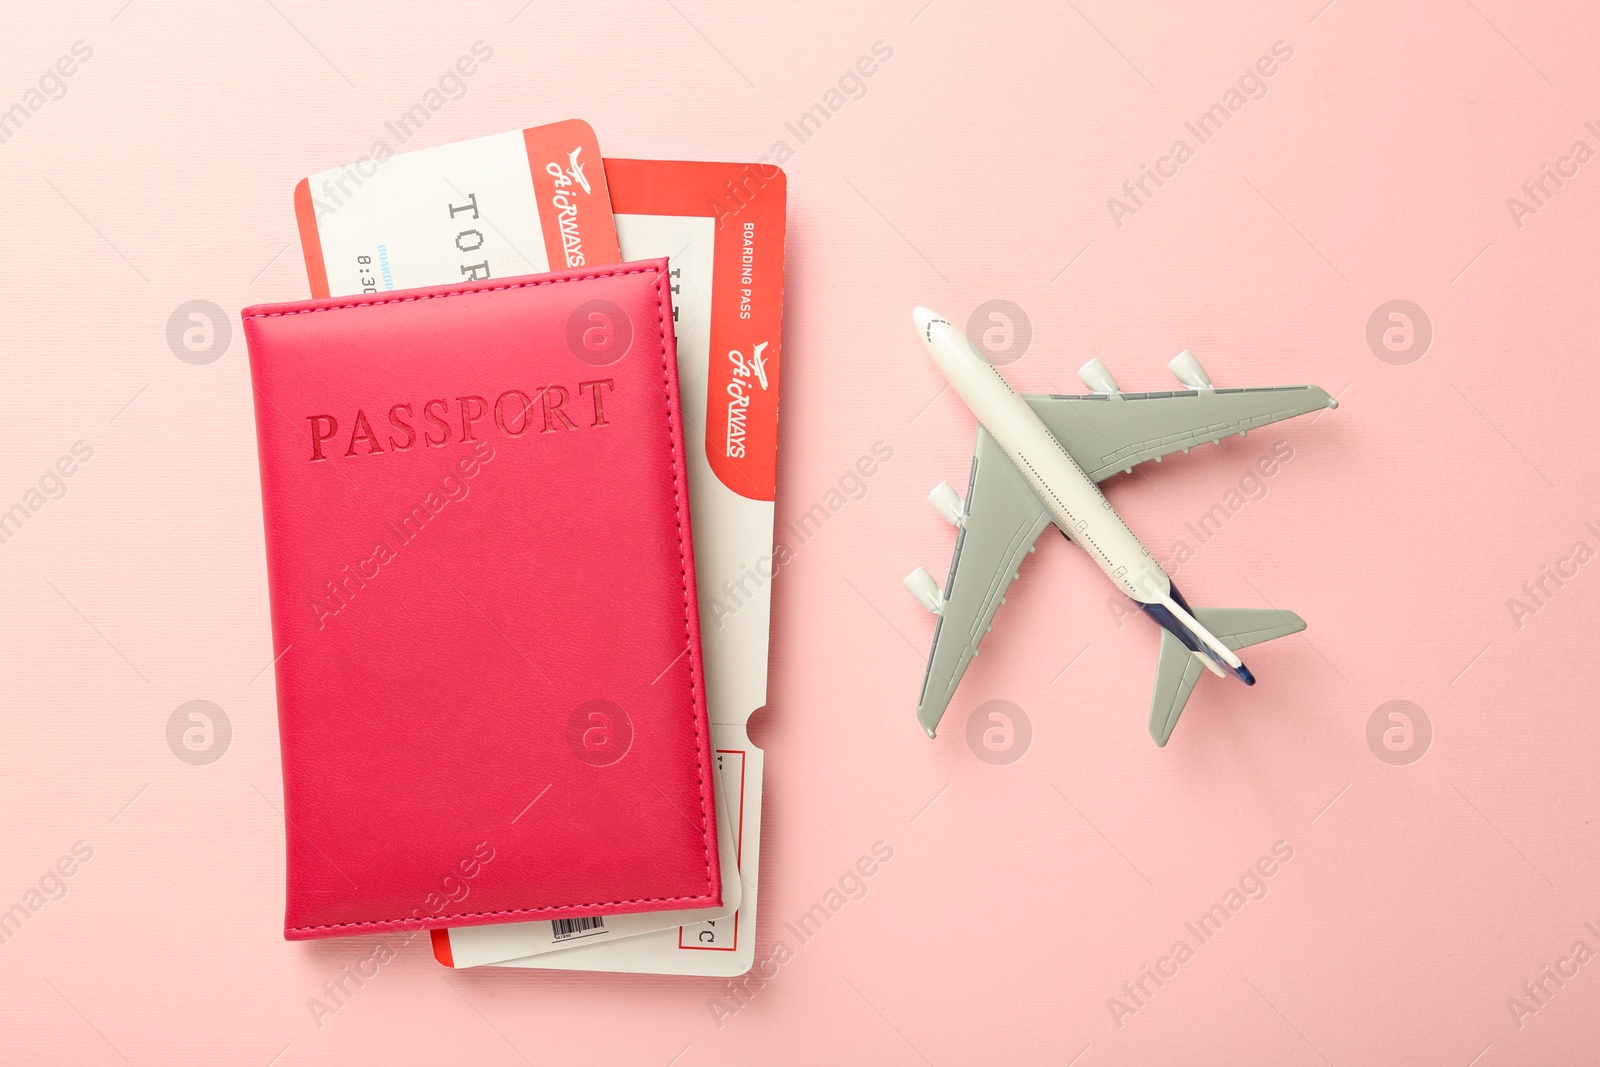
(470, 290)
(678, 495)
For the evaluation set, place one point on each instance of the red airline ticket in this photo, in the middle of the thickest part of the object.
(721, 225)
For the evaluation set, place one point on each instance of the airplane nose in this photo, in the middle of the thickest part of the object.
(921, 316)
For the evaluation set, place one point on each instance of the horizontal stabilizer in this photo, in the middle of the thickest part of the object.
(1178, 669)
(1242, 627)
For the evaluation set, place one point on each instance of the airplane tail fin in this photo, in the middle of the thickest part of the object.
(1179, 668)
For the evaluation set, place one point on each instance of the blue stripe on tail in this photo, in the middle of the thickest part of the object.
(1164, 618)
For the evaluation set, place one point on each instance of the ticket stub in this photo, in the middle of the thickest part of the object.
(522, 202)
(721, 225)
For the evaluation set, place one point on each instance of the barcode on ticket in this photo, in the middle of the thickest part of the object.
(565, 928)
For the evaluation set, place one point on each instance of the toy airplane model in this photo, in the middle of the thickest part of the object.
(1038, 461)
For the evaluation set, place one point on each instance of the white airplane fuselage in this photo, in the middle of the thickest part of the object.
(1070, 497)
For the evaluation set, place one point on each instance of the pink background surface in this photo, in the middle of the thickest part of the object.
(976, 166)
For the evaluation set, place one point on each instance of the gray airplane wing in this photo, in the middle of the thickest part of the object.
(1001, 521)
(1177, 670)
(1109, 433)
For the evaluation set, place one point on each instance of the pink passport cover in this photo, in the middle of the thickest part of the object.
(490, 696)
